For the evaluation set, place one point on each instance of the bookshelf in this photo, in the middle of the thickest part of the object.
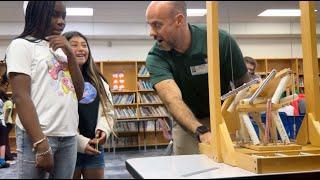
(138, 108)
(265, 65)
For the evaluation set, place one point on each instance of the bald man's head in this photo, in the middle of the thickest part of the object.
(179, 7)
(168, 8)
(167, 21)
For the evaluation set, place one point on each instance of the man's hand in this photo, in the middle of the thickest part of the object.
(89, 149)
(101, 137)
(171, 96)
(205, 138)
(44, 162)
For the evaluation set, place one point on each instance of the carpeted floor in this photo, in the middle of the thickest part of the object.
(114, 167)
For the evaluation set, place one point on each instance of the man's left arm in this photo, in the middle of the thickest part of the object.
(240, 81)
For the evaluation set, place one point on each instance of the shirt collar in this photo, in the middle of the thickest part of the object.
(194, 48)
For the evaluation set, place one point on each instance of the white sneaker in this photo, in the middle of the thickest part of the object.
(11, 162)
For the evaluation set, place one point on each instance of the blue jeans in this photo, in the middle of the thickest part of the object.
(64, 151)
(90, 161)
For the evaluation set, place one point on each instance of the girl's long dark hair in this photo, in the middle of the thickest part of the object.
(38, 19)
(90, 70)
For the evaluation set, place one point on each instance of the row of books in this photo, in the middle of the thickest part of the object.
(127, 112)
(124, 98)
(147, 111)
(139, 126)
(126, 141)
(126, 126)
(143, 71)
(152, 125)
(301, 81)
(149, 98)
(144, 85)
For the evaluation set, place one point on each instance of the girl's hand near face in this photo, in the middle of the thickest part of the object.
(58, 41)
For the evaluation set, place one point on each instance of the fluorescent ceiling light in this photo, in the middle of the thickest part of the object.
(25, 3)
(70, 11)
(196, 12)
(281, 12)
(79, 12)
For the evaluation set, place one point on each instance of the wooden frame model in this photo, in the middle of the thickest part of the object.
(252, 154)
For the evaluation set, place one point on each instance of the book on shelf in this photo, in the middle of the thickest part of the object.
(152, 125)
(124, 98)
(144, 85)
(148, 125)
(143, 71)
(127, 126)
(128, 112)
(149, 98)
(165, 128)
(301, 83)
(118, 81)
(149, 111)
(126, 141)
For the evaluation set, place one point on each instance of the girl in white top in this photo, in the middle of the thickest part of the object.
(96, 114)
(46, 85)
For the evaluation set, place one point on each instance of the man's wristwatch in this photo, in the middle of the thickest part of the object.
(200, 130)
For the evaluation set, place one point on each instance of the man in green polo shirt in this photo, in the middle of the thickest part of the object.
(178, 68)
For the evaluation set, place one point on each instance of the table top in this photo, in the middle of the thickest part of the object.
(196, 166)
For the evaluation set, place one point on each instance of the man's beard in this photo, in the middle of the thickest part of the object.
(167, 47)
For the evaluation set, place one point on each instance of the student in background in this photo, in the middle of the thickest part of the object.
(8, 114)
(95, 112)
(46, 85)
(4, 126)
(251, 65)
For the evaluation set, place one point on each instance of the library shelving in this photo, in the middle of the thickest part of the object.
(265, 65)
(141, 116)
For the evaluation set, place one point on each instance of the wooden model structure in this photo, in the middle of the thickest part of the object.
(256, 153)
(252, 100)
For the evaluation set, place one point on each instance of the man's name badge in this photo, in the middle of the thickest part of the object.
(199, 69)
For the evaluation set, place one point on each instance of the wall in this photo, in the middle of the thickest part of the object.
(271, 47)
(129, 41)
(138, 49)
(120, 49)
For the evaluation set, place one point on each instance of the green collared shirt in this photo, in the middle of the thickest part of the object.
(190, 72)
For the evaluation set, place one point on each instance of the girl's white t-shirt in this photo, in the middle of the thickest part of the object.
(52, 90)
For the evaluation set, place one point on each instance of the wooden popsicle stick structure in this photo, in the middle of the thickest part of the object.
(230, 122)
(273, 122)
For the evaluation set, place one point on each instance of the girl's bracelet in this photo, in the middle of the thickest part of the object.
(44, 153)
(34, 146)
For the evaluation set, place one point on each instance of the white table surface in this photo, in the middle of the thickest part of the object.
(183, 166)
(197, 166)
